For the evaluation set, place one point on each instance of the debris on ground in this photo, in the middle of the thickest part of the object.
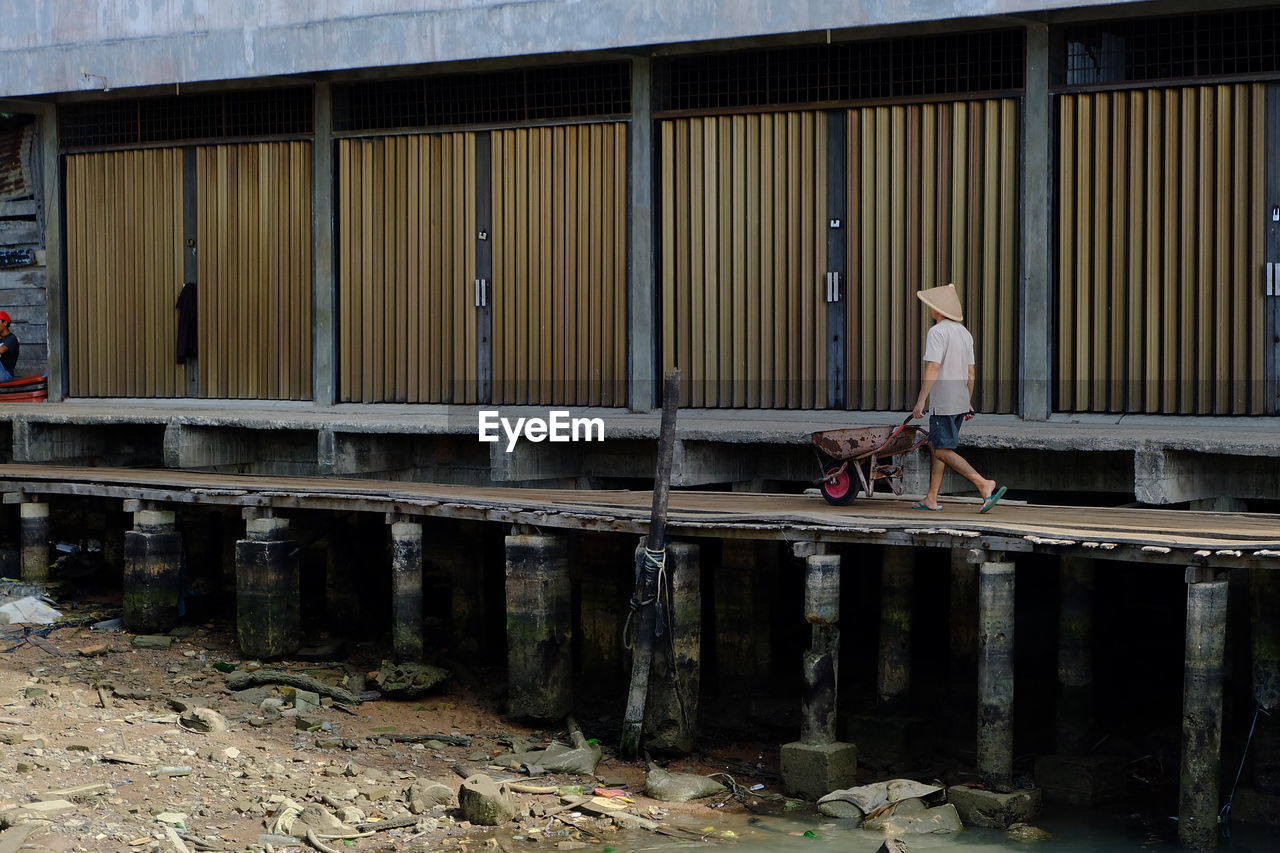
(679, 787)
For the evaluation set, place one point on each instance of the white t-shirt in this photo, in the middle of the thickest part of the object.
(950, 345)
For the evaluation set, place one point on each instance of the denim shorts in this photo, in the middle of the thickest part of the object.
(944, 431)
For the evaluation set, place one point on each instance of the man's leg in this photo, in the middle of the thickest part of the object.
(936, 470)
(957, 463)
(5, 375)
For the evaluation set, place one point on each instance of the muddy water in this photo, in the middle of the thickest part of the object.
(1073, 832)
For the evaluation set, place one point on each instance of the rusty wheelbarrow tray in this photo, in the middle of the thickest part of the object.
(861, 448)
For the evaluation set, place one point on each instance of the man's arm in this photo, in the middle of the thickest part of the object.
(931, 371)
(970, 382)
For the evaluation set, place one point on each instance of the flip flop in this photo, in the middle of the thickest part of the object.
(923, 505)
(993, 499)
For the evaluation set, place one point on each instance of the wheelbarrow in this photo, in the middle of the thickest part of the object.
(863, 450)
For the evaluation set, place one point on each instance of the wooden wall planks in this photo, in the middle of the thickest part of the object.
(1160, 299)
(124, 272)
(933, 195)
(743, 248)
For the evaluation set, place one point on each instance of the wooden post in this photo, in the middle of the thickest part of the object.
(647, 574)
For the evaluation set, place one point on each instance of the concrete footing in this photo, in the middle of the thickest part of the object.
(995, 675)
(1080, 780)
(34, 530)
(539, 627)
(675, 675)
(978, 807)
(406, 591)
(1202, 710)
(152, 573)
(813, 770)
(268, 604)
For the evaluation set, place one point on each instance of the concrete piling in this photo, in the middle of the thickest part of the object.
(963, 669)
(152, 572)
(268, 604)
(1075, 655)
(995, 675)
(1202, 710)
(406, 591)
(34, 532)
(743, 631)
(893, 676)
(539, 627)
(822, 611)
(1264, 594)
(818, 764)
(675, 676)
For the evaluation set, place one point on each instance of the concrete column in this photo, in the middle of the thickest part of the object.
(818, 764)
(539, 627)
(995, 675)
(343, 601)
(743, 635)
(1075, 655)
(152, 573)
(641, 298)
(406, 591)
(55, 264)
(324, 375)
(1035, 397)
(1202, 710)
(893, 677)
(34, 534)
(1264, 607)
(964, 641)
(675, 676)
(268, 605)
(822, 611)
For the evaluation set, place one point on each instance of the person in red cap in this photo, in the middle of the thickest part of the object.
(9, 348)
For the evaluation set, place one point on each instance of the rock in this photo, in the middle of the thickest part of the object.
(43, 809)
(893, 845)
(409, 680)
(253, 695)
(92, 651)
(308, 722)
(484, 802)
(172, 818)
(151, 641)
(842, 809)
(323, 821)
(305, 700)
(425, 794)
(203, 720)
(679, 787)
(1027, 832)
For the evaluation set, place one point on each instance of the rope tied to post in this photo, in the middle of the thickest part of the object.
(653, 567)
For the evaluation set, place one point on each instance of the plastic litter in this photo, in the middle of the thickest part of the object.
(679, 787)
(28, 611)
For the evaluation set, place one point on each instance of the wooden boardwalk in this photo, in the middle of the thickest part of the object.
(1133, 535)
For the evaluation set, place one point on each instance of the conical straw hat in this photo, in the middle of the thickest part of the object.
(944, 300)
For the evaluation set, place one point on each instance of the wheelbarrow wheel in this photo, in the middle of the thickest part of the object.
(837, 487)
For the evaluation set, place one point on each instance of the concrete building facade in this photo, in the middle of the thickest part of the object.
(308, 214)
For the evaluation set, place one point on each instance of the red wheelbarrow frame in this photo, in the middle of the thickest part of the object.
(856, 445)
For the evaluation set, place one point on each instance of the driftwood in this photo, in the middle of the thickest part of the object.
(456, 740)
(393, 823)
(245, 680)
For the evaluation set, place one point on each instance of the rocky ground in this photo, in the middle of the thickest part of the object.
(105, 745)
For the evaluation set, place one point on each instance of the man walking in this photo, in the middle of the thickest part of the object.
(948, 387)
(9, 348)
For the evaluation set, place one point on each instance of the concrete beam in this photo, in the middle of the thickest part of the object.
(528, 461)
(347, 454)
(1173, 476)
(37, 442)
(207, 447)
